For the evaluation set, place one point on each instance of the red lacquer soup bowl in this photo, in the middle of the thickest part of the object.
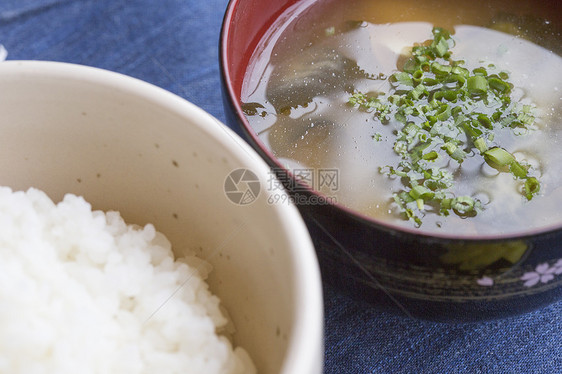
(439, 275)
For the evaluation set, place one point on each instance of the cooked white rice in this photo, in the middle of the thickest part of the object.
(83, 292)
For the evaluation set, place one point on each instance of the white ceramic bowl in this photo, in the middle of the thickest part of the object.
(129, 146)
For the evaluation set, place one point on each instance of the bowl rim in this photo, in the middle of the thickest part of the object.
(233, 99)
(305, 346)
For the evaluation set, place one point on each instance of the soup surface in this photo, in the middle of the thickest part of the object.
(297, 90)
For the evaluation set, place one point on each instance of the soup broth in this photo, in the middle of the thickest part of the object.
(296, 97)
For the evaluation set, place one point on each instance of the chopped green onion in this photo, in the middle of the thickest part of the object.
(440, 70)
(498, 158)
(477, 85)
(463, 205)
(449, 148)
(455, 152)
(460, 71)
(418, 92)
(403, 79)
(443, 112)
(484, 120)
(518, 170)
(457, 79)
(417, 76)
(410, 66)
(480, 144)
(458, 155)
(421, 192)
(526, 119)
(532, 187)
(480, 71)
(430, 81)
(442, 47)
(430, 156)
(446, 204)
(499, 85)
(453, 112)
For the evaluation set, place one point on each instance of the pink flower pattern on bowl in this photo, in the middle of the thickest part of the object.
(543, 273)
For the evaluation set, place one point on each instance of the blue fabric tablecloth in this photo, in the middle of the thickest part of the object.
(174, 44)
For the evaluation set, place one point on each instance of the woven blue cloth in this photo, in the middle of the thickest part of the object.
(174, 44)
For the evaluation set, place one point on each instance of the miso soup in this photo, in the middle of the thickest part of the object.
(331, 87)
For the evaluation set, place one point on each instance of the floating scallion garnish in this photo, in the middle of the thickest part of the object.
(447, 111)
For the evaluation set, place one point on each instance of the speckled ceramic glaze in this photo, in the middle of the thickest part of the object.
(129, 146)
(436, 277)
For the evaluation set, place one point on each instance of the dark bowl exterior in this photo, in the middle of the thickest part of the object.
(440, 278)
(435, 278)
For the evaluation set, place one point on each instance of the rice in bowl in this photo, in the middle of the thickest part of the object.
(81, 291)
